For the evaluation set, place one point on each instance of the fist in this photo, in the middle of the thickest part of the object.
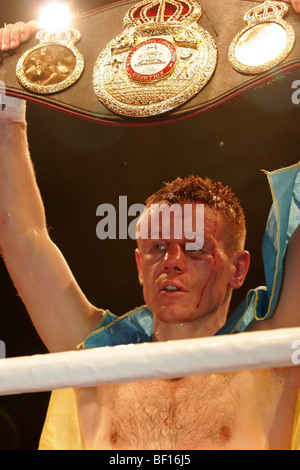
(12, 35)
(296, 4)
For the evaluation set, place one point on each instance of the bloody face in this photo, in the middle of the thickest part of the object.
(182, 284)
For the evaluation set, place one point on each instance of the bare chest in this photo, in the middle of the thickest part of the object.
(172, 414)
(189, 413)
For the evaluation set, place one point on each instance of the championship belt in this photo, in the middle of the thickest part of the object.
(155, 61)
(161, 59)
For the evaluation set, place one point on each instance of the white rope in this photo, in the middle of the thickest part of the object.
(150, 361)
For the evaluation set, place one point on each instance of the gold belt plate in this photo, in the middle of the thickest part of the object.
(53, 65)
(158, 62)
(266, 40)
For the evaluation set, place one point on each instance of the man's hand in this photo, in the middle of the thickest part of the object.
(295, 3)
(12, 35)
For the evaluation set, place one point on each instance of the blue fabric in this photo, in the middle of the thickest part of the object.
(132, 328)
(284, 217)
(137, 325)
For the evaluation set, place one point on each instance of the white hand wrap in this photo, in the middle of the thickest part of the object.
(13, 109)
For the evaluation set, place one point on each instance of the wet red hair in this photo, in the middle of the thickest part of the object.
(193, 189)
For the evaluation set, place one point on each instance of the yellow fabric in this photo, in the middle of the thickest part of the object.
(61, 428)
(296, 432)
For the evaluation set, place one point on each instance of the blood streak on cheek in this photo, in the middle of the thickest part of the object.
(214, 263)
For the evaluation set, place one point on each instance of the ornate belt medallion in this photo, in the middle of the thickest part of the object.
(160, 60)
(53, 65)
(265, 42)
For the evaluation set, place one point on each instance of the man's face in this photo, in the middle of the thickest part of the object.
(183, 285)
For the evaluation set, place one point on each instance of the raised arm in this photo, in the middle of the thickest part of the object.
(60, 312)
(287, 313)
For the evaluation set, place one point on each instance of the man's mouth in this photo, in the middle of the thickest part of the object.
(171, 289)
(166, 287)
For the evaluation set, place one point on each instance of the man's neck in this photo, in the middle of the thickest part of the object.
(202, 328)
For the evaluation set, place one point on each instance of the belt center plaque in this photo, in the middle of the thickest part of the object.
(161, 59)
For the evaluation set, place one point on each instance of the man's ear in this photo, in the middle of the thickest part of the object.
(139, 264)
(241, 262)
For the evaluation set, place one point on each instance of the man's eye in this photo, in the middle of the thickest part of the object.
(159, 247)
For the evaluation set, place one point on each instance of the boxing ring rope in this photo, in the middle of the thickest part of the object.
(150, 361)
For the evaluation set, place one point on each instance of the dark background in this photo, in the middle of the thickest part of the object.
(80, 164)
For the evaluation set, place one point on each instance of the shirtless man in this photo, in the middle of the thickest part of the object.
(241, 410)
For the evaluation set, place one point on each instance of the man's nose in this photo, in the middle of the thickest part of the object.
(174, 259)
